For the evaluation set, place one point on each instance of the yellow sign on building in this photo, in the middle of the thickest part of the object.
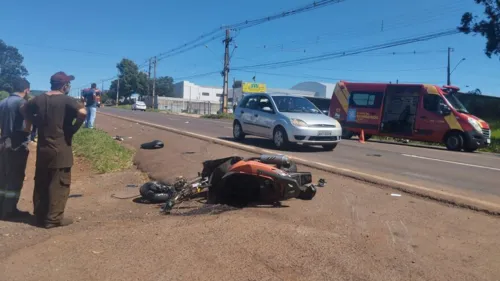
(253, 87)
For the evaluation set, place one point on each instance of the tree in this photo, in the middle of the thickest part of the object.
(489, 27)
(11, 65)
(131, 79)
(164, 86)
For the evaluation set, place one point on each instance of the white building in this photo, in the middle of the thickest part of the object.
(190, 91)
(321, 90)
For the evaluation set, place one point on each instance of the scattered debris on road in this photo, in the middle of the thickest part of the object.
(118, 138)
(321, 182)
(156, 144)
(395, 195)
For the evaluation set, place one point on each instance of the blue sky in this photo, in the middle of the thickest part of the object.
(106, 31)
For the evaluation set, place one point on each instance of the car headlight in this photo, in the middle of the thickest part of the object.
(475, 124)
(298, 122)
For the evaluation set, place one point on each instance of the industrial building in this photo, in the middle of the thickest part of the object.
(321, 90)
(190, 91)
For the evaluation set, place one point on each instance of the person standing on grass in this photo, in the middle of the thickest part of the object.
(14, 150)
(90, 98)
(54, 113)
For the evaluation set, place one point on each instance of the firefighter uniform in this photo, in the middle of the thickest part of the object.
(13, 155)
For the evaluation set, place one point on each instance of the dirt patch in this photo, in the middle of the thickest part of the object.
(350, 231)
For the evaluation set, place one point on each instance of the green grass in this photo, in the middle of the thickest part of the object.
(229, 116)
(101, 150)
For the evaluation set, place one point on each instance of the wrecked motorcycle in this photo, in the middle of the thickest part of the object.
(236, 181)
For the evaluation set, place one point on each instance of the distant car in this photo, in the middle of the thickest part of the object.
(285, 119)
(139, 105)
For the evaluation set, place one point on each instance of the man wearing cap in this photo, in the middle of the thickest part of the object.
(53, 113)
(13, 149)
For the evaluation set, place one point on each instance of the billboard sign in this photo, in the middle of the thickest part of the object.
(254, 87)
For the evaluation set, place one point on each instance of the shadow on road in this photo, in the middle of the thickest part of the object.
(268, 144)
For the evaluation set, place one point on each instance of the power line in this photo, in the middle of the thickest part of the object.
(321, 77)
(212, 35)
(345, 53)
(198, 75)
(402, 22)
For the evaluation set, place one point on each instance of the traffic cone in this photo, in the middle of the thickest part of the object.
(362, 136)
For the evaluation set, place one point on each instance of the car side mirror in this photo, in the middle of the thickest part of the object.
(445, 109)
(267, 109)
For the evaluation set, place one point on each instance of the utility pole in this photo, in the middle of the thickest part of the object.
(225, 72)
(448, 73)
(117, 90)
(149, 76)
(154, 83)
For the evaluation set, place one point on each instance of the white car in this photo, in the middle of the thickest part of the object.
(139, 105)
(285, 119)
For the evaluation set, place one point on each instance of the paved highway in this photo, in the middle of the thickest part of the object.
(431, 167)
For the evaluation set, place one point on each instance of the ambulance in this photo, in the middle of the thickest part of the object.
(419, 112)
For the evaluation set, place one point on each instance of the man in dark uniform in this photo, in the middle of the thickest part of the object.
(54, 113)
(13, 149)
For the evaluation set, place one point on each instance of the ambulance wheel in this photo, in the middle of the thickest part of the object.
(454, 141)
(468, 149)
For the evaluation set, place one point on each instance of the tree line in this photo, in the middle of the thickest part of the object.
(134, 81)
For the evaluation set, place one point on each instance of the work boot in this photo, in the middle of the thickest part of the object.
(63, 222)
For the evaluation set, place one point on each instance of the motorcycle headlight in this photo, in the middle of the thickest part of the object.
(475, 124)
(298, 122)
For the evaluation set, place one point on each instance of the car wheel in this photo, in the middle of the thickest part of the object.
(329, 147)
(280, 138)
(454, 141)
(238, 131)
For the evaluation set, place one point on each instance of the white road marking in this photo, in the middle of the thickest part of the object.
(419, 176)
(451, 162)
(228, 127)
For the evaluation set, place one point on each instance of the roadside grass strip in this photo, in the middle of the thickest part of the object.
(103, 152)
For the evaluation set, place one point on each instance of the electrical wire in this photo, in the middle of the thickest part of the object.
(418, 19)
(212, 35)
(322, 77)
(197, 75)
(351, 52)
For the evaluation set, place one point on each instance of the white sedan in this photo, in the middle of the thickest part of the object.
(139, 105)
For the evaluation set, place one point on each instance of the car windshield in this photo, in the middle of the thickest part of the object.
(455, 102)
(295, 104)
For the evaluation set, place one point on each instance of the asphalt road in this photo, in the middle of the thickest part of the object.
(431, 167)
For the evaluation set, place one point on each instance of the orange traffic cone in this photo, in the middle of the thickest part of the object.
(362, 136)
